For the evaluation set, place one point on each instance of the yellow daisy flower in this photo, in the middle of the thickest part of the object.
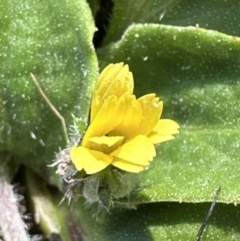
(123, 129)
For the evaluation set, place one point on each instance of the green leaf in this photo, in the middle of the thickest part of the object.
(94, 6)
(52, 40)
(43, 208)
(152, 221)
(196, 74)
(219, 15)
(157, 221)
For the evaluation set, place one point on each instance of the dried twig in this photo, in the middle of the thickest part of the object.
(204, 224)
(55, 111)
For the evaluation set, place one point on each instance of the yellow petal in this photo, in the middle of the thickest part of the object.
(115, 79)
(163, 131)
(127, 166)
(76, 158)
(151, 113)
(89, 160)
(139, 151)
(108, 118)
(106, 144)
(132, 119)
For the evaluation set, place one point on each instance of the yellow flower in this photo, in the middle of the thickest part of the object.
(123, 129)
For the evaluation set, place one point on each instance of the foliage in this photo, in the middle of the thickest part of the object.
(187, 52)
